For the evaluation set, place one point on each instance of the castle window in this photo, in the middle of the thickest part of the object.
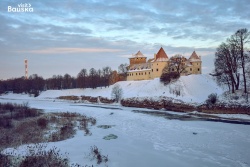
(197, 63)
(157, 69)
(198, 69)
(145, 73)
(148, 72)
(152, 70)
(139, 74)
(157, 64)
(136, 73)
(190, 69)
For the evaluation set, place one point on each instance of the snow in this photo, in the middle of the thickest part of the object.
(145, 140)
(194, 88)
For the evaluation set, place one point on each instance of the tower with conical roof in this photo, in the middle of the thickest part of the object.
(158, 63)
(195, 63)
(160, 56)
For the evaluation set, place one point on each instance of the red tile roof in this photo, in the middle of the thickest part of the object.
(194, 56)
(161, 54)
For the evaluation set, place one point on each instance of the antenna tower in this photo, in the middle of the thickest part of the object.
(26, 68)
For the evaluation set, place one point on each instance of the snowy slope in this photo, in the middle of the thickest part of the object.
(194, 88)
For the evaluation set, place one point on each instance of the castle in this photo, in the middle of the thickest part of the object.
(141, 69)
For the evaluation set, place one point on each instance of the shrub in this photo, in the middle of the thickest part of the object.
(5, 160)
(166, 78)
(42, 123)
(211, 100)
(6, 122)
(96, 154)
(67, 131)
(41, 158)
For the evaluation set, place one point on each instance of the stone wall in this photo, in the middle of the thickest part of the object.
(106, 100)
(90, 99)
(167, 104)
(69, 97)
(179, 106)
(222, 108)
(97, 99)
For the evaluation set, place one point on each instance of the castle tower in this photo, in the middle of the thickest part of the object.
(26, 68)
(138, 58)
(196, 63)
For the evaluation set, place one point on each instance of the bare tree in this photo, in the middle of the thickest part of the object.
(241, 38)
(82, 78)
(117, 92)
(177, 63)
(67, 81)
(123, 69)
(106, 75)
(230, 58)
(227, 65)
(92, 77)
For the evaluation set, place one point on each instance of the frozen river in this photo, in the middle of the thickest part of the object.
(150, 141)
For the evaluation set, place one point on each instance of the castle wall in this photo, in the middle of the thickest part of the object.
(195, 68)
(141, 71)
(137, 60)
(139, 75)
(156, 68)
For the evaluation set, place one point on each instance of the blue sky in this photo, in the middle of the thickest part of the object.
(64, 36)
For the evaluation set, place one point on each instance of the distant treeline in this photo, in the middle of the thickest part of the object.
(35, 84)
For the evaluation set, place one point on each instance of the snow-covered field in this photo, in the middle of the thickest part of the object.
(145, 140)
(193, 88)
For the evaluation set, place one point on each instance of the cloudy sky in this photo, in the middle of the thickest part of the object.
(65, 36)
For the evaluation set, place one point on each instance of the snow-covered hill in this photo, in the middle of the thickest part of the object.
(192, 88)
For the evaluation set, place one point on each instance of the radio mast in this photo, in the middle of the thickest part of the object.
(26, 68)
